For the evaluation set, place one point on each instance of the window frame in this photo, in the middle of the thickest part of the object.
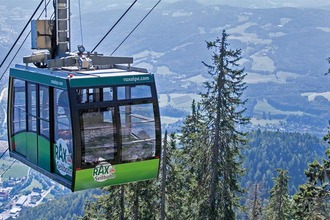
(115, 103)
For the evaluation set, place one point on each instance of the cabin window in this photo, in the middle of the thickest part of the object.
(97, 135)
(32, 107)
(19, 117)
(138, 132)
(94, 95)
(134, 92)
(44, 110)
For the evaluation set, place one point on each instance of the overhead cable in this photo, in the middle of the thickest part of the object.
(4, 153)
(136, 26)
(8, 168)
(113, 26)
(21, 33)
(3, 73)
(81, 30)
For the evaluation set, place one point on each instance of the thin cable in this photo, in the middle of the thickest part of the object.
(21, 33)
(20, 46)
(114, 26)
(81, 30)
(136, 26)
(45, 9)
(8, 168)
(4, 153)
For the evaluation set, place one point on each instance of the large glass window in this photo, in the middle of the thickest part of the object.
(32, 106)
(94, 95)
(138, 132)
(19, 119)
(44, 110)
(118, 132)
(134, 92)
(97, 135)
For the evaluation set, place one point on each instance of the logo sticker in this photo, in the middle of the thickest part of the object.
(63, 158)
(104, 171)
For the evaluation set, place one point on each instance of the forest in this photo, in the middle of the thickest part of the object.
(303, 147)
(213, 169)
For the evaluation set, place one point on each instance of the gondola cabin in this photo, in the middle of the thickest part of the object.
(83, 119)
(85, 129)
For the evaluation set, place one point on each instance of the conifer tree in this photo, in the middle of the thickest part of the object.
(174, 184)
(211, 139)
(195, 155)
(255, 203)
(107, 206)
(142, 200)
(279, 204)
(312, 201)
(224, 109)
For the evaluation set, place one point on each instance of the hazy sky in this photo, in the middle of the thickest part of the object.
(239, 3)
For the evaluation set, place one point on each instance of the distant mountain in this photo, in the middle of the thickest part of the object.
(284, 53)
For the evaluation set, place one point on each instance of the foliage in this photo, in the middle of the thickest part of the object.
(279, 203)
(312, 201)
(255, 202)
(224, 110)
(196, 154)
(272, 150)
(69, 207)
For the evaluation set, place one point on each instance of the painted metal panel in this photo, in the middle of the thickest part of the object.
(110, 80)
(35, 77)
(105, 174)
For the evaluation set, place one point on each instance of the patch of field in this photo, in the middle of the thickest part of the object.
(263, 106)
(16, 170)
(238, 33)
(3, 146)
(254, 78)
(199, 79)
(164, 70)
(177, 100)
(169, 120)
(311, 95)
(163, 100)
(182, 99)
(284, 21)
(276, 34)
(262, 63)
(279, 77)
(263, 122)
(325, 29)
(34, 184)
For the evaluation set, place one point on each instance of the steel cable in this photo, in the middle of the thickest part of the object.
(114, 26)
(136, 26)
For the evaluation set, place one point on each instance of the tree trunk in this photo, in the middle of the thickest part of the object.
(163, 185)
(122, 203)
(216, 146)
(136, 202)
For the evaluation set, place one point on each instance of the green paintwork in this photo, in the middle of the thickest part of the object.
(110, 80)
(32, 147)
(60, 79)
(44, 153)
(35, 148)
(19, 143)
(39, 154)
(36, 77)
(124, 173)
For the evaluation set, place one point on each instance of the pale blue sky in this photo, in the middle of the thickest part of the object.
(241, 3)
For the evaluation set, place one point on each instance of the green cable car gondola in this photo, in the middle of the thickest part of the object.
(84, 121)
